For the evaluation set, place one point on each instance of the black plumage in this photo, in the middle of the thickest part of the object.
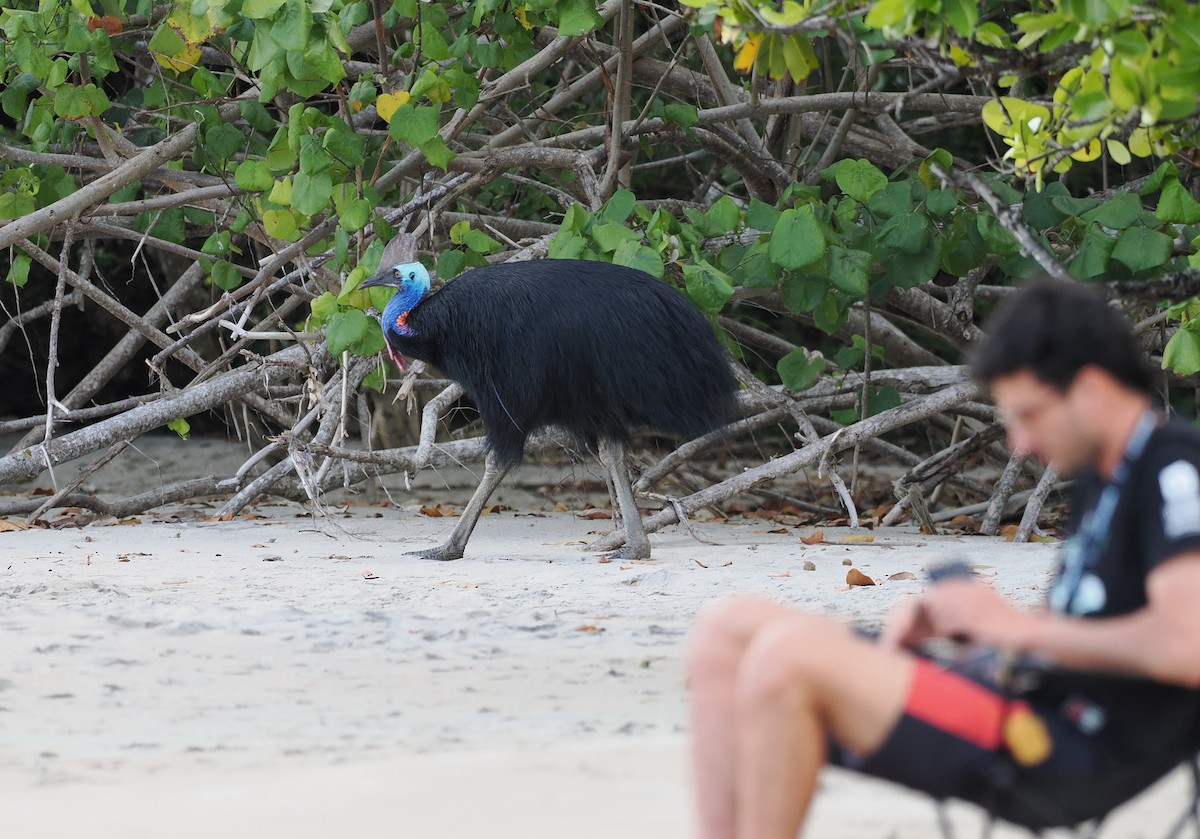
(597, 350)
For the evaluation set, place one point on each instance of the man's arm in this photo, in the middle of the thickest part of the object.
(1160, 641)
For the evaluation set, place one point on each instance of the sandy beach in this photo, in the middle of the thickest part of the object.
(290, 673)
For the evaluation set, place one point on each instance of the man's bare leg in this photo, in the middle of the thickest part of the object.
(769, 684)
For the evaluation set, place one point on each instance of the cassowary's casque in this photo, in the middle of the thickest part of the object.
(595, 349)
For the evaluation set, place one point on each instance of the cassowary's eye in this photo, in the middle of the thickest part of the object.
(396, 273)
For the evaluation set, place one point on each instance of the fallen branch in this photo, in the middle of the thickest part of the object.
(898, 417)
(33, 460)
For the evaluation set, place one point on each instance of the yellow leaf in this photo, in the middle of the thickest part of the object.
(1118, 152)
(193, 30)
(960, 57)
(1139, 142)
(858, 537)
(186, 59)
(747, 54)
(387, 103)
(519, 14)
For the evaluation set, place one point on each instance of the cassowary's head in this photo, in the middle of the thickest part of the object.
(411, 282)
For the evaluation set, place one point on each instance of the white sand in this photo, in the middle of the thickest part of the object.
(295, 676)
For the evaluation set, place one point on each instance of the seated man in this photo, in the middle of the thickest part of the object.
(776, 693)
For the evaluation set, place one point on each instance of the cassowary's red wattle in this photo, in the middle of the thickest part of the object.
(595, 349)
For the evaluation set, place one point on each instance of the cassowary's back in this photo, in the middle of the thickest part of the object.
(597, 349)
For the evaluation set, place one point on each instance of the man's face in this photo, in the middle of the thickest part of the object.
(1044, 422)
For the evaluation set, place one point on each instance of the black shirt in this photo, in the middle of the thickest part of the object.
(1157, 517)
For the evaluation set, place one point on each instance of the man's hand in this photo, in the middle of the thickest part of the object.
(961, 609)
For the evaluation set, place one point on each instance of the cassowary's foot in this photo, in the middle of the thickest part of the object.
(442, 553)
(628, 552)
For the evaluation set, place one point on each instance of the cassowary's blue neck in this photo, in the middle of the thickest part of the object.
(395, 314)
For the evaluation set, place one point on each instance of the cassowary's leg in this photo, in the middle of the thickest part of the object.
(612, 494)
(493, 474)
(615, 457)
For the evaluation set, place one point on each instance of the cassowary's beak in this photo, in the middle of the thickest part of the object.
(382, 278)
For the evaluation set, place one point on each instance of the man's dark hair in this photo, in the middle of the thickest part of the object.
(1054, 329)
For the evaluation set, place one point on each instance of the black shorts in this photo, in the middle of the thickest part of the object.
(952, 742)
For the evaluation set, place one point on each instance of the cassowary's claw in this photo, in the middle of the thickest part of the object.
(442, 553)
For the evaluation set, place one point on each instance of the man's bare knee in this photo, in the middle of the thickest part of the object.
(791, 657)
(725, 629)
(721, 633)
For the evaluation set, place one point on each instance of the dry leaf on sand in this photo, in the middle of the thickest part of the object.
(854, 577)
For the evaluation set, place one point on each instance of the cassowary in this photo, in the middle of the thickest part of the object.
(597, 350)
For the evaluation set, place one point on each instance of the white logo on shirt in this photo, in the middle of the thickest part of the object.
(1090, 597)
(1180, 487)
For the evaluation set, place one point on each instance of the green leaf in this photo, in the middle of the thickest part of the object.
(372, 342)
(1095, 251)
(724, 216)
(259, 9)
(18, 270)
(480, 242)
(761, 216)
(451, 263)
(323, 308)
(1166, 171)
(346, 329)
(1176, 204)
(1096, 12)
(1141, 249)
(221, 142)
(414, 124)
(311, 193)
(1182, 352)
(896, 200)
(167, 224)
(618, 208)
(803, 292)
(634, 254)
(218, 244)
(882, 399)
(830, 315)
(860, 179)
(566, 245)
(180, 426)
(849, 270)
(313, 157)
(684, 116)
(225, 275)
(609, 237)
(1118, 213)
(798, 372)
(997, 237)
(962, 15)
(253, 176)
(12, 100)
(908, 233)
(1069, 205)
(887, 13)
(707, 286)
(166, 41)
(292, 26)
(355, 215)
(344, 144)
(941, 202)
(436, 151)
(577, 17)
(797, 239)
